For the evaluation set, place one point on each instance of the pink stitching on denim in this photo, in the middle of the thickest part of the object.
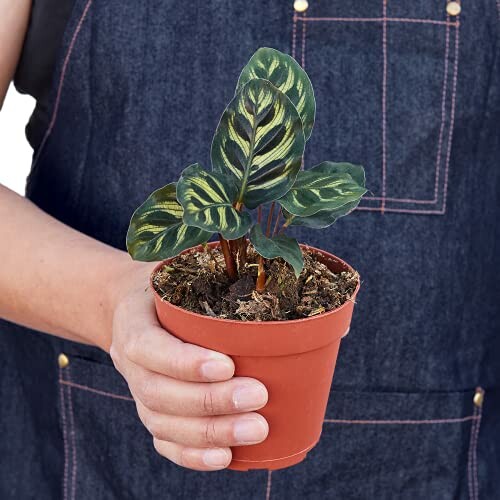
(452, 118)
(96, 391)
(472, 473)
(61, 81)
(443, 109)
(384, 104)
(304, 42)
(402, 210)
(269, 482)
(402, 422)
(294, 36)
(65, 437)
(72, 434)
(381, 19)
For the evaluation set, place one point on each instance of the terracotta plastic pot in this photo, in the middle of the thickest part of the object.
(294, 359)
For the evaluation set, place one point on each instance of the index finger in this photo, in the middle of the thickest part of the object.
(159, 351)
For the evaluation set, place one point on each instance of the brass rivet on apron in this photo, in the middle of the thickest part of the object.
(63, 360)
(479, 398)
(453, 8)
(300, 5)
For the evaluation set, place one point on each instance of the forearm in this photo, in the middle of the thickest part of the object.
(54, 278)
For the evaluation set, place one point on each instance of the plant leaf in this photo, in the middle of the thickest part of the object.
(278, 246)
(285, 73)
(324, 187)
(207, 200)
(321, 219)
(260, 141)
(157, 231)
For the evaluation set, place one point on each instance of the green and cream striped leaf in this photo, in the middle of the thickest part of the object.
(260, 141)
(325, 218)
(278, 246)
(207, 199)
(285, 73)
(157, 231)
(324, 187)
(321, 219)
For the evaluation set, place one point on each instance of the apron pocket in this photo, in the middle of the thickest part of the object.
(385, 76)
(109, 454)
(415, 446)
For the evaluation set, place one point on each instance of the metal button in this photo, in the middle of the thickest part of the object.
(300, 5)
(453, 8)
(63, 360)
(479, 398)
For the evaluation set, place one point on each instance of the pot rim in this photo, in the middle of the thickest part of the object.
(324, 253)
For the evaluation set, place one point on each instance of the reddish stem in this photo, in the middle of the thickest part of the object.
(228, 258)
(260, 286)
(270, 219)
(259, 214)
(275, 230)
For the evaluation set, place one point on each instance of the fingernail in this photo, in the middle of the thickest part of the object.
(249, 430)
(249, 397)
(216, 458)
(216, 370)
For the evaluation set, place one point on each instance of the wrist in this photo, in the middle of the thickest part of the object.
(125, 276)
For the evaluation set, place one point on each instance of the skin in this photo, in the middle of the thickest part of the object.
(57, 280)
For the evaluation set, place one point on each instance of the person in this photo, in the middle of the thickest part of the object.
(129, 93)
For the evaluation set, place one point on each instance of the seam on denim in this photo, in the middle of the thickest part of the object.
(403, 422)
(384, 103)
(65, 436)
(61, 82)
(402, 210)
(474, 452)
(380, 19)
(74, 463)
(304, 42)
(96, 391)
(443, 110)
(294, 36)
(472, 475)
(269, 483)
(452, 118)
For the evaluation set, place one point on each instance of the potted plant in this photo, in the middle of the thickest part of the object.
(277, 307)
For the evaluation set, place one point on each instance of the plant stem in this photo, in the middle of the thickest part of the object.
(286, 224)
(242, 252)
(270, 219)
(228, 258)
(261, 276)
(275, 230)
(259, 214)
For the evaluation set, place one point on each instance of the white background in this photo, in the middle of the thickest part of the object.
(15, 152)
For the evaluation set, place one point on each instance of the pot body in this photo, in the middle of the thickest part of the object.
(294, 359)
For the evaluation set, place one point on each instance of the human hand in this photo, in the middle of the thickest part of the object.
(186, 396)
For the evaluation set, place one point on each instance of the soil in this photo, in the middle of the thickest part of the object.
(197, 281)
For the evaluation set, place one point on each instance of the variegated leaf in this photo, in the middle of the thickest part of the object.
(324, 187)
(285, 73)
(321, 219)
(278, 246)
(260, 141)
(157, 231)
(325, 218)
(207, 200)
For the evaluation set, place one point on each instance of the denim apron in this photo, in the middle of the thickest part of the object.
(403, 88)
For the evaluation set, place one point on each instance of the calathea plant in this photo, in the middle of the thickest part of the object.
(256, 154)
